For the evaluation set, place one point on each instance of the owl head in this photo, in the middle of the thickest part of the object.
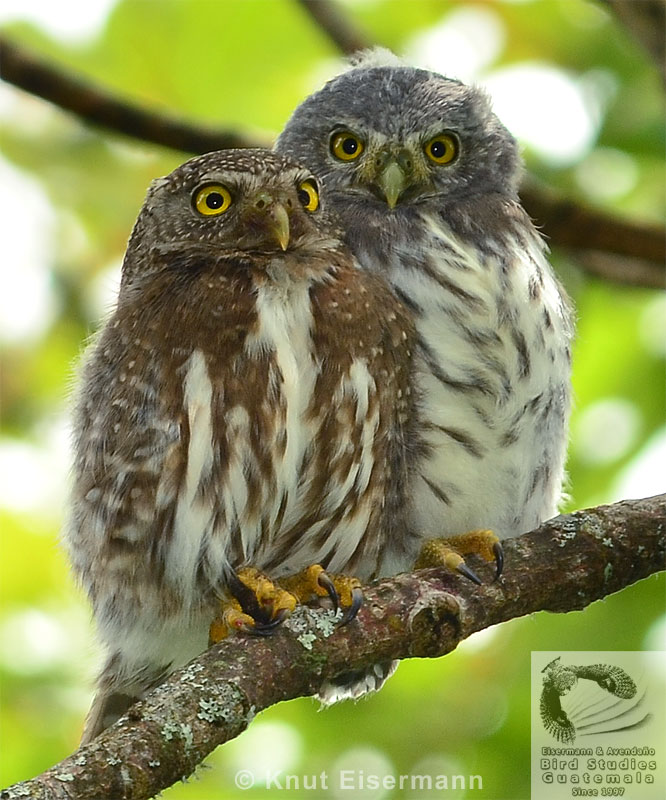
(390, 136)
(228, 205)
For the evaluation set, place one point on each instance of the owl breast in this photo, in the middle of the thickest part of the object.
(289, 443)
(259, 424)
(492, 377)
(247, 436)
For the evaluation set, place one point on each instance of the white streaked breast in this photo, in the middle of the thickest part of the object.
(285, 328)
(193, 514)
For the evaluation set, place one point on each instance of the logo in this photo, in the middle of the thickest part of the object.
(598, 725)
(592, 712)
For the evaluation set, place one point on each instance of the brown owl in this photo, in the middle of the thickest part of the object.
(246, 407)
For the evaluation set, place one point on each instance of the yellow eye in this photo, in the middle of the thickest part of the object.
(346, 146)
(308, 195)
(442, 149)
(212, 199)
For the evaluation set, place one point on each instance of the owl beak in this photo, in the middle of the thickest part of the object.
(279, 224)
(392, 181)
(266, 221)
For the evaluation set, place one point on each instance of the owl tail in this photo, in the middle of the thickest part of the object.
(120, 685)
(105, 710)
(352, 685)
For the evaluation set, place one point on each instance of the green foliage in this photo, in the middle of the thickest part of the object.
(247, 64)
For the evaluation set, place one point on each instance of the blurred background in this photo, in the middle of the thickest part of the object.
(586, 104)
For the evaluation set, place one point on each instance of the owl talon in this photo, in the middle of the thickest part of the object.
(353, 609)
(463, 569)
(257, 606)
(498, 550)
(314, 582)
(244, 595)
(268, 628)
(280, 617)
(451, 551)
(230, 620)
(326, 583)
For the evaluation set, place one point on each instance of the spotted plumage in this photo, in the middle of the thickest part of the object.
(425, 178)
(247, 403)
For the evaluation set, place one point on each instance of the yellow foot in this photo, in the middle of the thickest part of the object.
(450, 553)
(314, 581)
(256, 605)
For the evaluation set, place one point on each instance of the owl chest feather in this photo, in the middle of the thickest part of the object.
(245, 439)
(492, 377)
(280, 474)
(264, 437)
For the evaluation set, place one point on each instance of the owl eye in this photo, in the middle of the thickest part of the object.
(442, 149)
(346, 146)
(308, 195)
(212, 199)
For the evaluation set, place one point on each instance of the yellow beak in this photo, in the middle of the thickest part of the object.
(392, 181)
(280, 224)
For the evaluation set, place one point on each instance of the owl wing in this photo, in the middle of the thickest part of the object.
(553, 716)
(613, 679)
(129, 464)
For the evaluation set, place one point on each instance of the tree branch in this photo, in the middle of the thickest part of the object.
(622, 269)
(98, 107)
(329, 17)
(609, 247)
(564, 565)
(566, 223)
(646, 22)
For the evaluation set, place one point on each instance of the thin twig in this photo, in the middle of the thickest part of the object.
(564, 565)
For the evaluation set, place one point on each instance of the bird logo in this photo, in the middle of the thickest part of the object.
(559, 679)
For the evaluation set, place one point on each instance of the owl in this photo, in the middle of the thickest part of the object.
(242, 422)
(560, 679)
(424, 178)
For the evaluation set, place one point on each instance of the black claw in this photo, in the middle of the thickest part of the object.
(245, 596)
(463, 569)
(326, 583)
(268, 628)
(499, 558)
(352, 611)
(259, 630)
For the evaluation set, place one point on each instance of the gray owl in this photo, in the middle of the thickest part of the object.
(424, 178)
(243, 418)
